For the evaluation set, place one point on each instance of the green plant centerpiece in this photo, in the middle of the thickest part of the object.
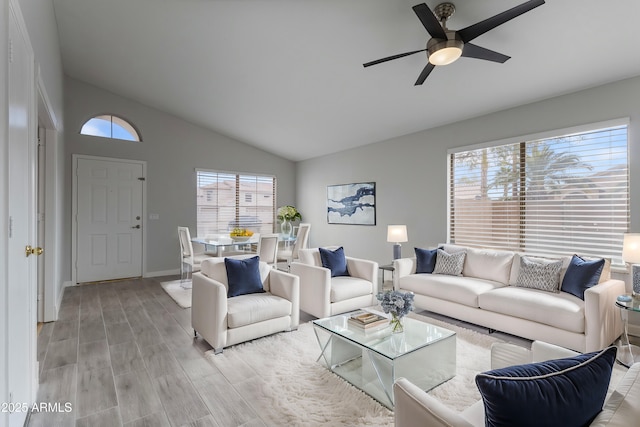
(399, 304)
(286, 214)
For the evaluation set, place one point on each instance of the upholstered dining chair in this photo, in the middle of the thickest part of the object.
(287, 256)
(190, 255)
(325, 291)
(231, 305)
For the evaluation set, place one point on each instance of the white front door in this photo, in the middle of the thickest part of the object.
(109, 219)
(21, 264)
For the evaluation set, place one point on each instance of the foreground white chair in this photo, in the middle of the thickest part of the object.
(189, 256)
(287, 256)
(322, 295)
(416, 408)
(224, 321)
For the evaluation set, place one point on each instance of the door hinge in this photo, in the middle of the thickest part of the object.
(10, 226)
(142, 178)
(10, 50)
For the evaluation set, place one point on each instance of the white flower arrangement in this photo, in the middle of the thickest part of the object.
(288, 213)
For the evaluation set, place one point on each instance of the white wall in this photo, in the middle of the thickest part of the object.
(411, 171)
(172, 148)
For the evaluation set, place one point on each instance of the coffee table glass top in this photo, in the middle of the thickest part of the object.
(417, 334)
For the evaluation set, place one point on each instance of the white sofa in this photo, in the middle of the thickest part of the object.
(485, 295)
(416, 408)
(322, 295)
(224, 321)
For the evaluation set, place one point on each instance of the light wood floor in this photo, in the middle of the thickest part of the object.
(123, 353)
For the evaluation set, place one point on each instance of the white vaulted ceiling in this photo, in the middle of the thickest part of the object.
(286, 75)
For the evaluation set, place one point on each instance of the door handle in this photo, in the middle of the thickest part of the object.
(28, 250)
(136, 226)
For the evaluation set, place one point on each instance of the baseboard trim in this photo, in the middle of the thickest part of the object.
(162, 273)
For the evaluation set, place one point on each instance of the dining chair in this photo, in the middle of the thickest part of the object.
(267, 250)
(302, 242)
(189, 257)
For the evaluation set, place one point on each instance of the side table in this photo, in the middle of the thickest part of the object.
(383, 268)
(628, 353)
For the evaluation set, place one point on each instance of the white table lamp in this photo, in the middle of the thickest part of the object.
(631, 255)
(397, 234)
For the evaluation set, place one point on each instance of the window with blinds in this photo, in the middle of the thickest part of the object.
(227, 200)
(562, 195)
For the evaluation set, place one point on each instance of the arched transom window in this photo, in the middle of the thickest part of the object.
(110, 126)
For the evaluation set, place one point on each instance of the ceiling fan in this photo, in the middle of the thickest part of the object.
(445, 46)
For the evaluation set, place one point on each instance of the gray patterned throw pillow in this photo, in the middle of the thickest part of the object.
(449, 264)
(539, 274)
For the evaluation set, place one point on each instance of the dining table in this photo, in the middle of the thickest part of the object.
(217, 244)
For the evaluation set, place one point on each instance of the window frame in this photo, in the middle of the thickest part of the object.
(127, 125)
(240, 198)
(545, 135)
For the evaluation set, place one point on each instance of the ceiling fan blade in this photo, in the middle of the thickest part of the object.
(389, 58)
(471, 50)
(471, 32)
(425, 73)
(429, 20)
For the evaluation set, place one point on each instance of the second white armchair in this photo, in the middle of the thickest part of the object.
(322, 295)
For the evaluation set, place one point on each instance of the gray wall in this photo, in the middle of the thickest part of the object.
(411, 171)
(173, 149)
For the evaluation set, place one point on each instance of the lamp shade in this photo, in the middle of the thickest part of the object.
(397, 233)
(631, 248)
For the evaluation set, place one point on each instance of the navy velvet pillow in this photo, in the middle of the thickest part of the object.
(562, 392)
(243, 276)
(581, 275)
(334, 261)
(425, 260)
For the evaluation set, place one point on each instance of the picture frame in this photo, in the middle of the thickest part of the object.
(353, 204)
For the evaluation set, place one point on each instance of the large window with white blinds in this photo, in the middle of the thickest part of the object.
(227, 200)
(561, 195)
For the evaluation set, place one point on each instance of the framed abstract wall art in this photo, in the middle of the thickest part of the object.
(353, 204)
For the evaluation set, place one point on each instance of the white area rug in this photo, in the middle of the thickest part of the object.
(288, 386)
(181, 296)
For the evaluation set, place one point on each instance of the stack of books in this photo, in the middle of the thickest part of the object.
(368, 321)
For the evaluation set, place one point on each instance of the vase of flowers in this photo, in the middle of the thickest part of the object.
(286, 214)
(399, 304)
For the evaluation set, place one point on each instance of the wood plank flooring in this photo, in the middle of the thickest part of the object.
(123, 354)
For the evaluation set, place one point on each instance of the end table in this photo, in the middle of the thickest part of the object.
(383, 268)
(628, 353)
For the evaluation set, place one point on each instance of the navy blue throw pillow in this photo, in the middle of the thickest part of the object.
(334, 261)
(425, 260)
(581, 275)
(561, 392)
(243, 276)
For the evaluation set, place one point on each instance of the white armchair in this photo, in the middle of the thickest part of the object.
(322, 295)
(414, 407)
(224, 321)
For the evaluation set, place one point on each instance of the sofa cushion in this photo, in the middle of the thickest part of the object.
(581, 275)
(462, 290)
(253, 308)
(449, 264)
(488, 264)
(560, 310)
(539, 274)
(335, 261)
(561, 392)
(346, 287)
(425, 260)
(243, 276)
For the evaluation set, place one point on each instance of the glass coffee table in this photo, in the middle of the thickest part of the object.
(425, 354)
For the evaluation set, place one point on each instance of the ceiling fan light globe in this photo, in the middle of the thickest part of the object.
(445, 56)
(444, 52)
